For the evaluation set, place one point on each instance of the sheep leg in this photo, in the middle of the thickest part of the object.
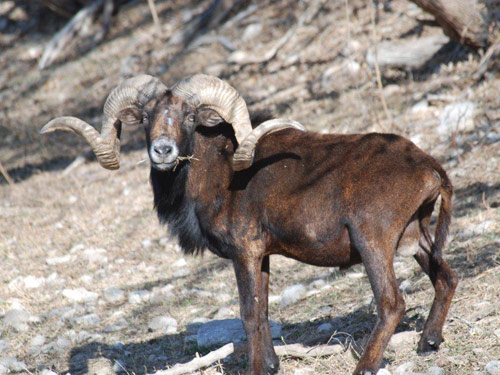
(445, 281)
(270, 357)
(249, 276)
(390, 307)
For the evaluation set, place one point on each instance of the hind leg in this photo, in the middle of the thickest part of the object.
(445, 281)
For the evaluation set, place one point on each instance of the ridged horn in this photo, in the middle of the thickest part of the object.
(212, 92)
(243, 156)
(132, 93)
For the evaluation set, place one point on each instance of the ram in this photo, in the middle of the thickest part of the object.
(248, 193)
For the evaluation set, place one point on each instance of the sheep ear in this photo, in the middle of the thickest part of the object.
(208, 117)
(130, 116)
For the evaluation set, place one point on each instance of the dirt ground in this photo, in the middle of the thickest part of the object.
(65, 229)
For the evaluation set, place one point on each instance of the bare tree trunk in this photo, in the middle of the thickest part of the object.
(464, 21)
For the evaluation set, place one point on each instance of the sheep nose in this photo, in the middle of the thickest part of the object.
(162, 147)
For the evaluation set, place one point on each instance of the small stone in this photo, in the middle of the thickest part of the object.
(79, 295)
(4, 346)
(114, 295)
(405, 286)
(47, 372)
(38, 340)
(497, 332)
(32, 282)
(146, 243)
(63, 343)
(405, 368)
(119, 366)
(180, 263)
(435, 370)
(493, 137)
(89, 320)
(12, 364)
(402, 339)
(457, 117)
(221, 332)
(53, 261)
(317, 284)
(139, 296)
(165, 324)
(304, 371)
(292, 294)
(18, 318)
(274, 299)
(325, 328)
(492, 368)
(95, 256)
(383, 371)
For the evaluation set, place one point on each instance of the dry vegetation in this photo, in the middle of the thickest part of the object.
(319, 77)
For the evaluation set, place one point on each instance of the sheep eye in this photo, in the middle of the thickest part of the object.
(191, 118)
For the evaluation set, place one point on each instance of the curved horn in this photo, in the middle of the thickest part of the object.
(201, 89)
(243, 156)
(132, 93)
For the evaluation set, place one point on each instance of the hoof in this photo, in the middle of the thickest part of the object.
(428, 346)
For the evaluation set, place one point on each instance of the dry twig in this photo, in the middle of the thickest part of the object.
(292, 350)
(154, 13)
(5, 174)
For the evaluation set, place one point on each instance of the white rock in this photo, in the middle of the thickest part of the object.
(63, 343)
(79, 295)
(12, 364)
(252, 31)
(139, 296)
(325, 328)
(292, 294)
(32, 282)
(493, 137)
(77, 248)
(47, 372)
(402, 339)
(497, 332)
(38, 340)
(317, 284)
(89, 320)
(18, 318)
(492, 368)
(114, 295)
(179, 263)
(435, 370)
(274, 299)
(383, 371)
(405, 368)
(95, 256)
(304, 371)
(405, 286)
(52, 261)
(221, 332)
(457, 117)
(165, 324)
(146, 243)
(421, 106)
(4, 346)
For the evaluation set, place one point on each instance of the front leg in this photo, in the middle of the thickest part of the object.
(252, 288)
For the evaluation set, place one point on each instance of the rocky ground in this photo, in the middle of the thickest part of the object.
(91, 283)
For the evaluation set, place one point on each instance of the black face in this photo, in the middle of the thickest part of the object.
(170, 123)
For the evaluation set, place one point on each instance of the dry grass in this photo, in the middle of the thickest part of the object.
(46, 214)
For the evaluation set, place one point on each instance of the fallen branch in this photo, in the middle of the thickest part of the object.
(73, 27)
(154, 13)
(5, 174)
(292, 350)
(491, 53)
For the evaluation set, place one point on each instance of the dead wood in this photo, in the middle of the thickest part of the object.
(74, 27)
(490, 54)
(461, 20)
(5, 174)
(291, 350)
